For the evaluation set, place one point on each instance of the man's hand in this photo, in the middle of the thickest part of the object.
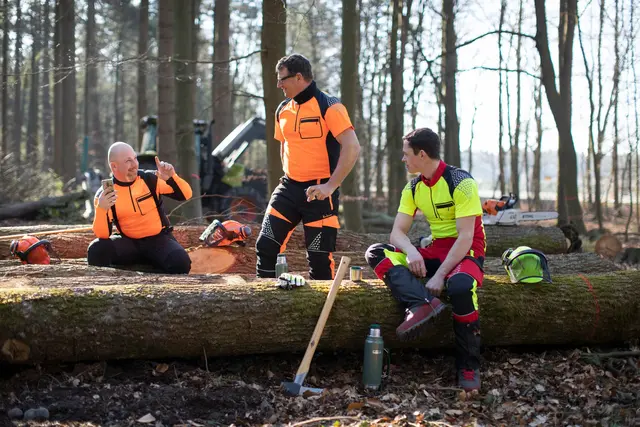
(165, 170)
(319, 192)
(435, 285)
(107, 199)
(416, 263)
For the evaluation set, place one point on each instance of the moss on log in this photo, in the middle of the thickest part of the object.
(549, 240)
(154, 316)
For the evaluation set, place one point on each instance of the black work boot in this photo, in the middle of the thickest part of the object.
(411, 292)
(468, 354)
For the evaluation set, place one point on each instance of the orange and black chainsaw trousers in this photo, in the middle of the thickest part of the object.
(287, 207)
(161, 251)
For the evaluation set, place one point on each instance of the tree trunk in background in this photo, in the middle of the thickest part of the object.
(47, 113)
(501, 155)
(119, 87)
(68, 122)
(17, 95)
(4, 148)
(221, 74)
(449, 71)
(515, 149)
(274, 39)
(380, 151)
(32, 124)
(188, 166)
(617, 188)
(537, 153)
(395, 114)
(58, 76)
(167, 150)
(143, 44)
(97, 151)
(348, 86)
(569, 209)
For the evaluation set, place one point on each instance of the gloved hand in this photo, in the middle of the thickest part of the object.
(288, 281)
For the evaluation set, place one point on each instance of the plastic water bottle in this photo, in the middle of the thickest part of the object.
(281, 265)
(373, 359)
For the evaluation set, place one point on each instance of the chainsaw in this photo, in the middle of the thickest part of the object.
(225, 233)
(503, 212)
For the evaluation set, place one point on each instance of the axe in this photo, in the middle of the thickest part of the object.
(296, 388)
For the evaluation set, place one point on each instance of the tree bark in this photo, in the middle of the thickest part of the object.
(152, 316)
(549, 240)
(449, 72)
(167, 150)
(569, 209)
(348, 86)
(68, 119)
(188, 163)
(501, 165)
(143, 44)
(274, 45)
(33, 117)
(47, 113)
(17, 95)
(221, 105)
(4, 148)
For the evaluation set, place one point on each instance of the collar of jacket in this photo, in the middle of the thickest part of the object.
(124, 184)
(306, 94)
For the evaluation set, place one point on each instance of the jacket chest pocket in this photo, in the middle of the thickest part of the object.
(445, 209)
(146, 204)
(310, 127)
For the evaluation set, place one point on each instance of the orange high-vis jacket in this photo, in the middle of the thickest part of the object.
(138, 210)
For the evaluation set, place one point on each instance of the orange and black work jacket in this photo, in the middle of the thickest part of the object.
(138, 210)
(307, 126)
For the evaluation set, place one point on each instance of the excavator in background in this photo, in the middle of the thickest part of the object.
(233, 178)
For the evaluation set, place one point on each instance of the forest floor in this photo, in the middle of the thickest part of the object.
(521, 386)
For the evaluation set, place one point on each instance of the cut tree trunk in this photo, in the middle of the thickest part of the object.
(549, 240)
(239, 262)
(156, 316)
(21, 210)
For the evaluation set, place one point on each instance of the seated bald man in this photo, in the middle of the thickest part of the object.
(134, 206)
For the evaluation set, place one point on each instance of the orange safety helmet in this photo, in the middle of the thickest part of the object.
(30, 250)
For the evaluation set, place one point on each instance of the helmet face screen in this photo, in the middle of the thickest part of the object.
(526, 265)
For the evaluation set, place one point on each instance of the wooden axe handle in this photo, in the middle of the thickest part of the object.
(46, 233)
(328, 304)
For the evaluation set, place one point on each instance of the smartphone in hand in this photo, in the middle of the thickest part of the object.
(107, 185)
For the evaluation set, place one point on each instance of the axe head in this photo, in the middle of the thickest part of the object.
(295, 389)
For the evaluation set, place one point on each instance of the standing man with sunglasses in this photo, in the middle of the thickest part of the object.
(319, 147)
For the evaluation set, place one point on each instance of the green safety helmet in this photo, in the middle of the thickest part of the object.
(526, 265)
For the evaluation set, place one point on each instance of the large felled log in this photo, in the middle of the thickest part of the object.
(550, 240)
(154, 316)
(230, 261)
(20, 210)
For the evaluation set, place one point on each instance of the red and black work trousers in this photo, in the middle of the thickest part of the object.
(390, 265)
(287, 207)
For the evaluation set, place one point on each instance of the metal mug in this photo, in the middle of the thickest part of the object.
(355, 274)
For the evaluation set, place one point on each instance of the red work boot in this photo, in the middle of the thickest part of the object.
(469, 379)
(417, 318)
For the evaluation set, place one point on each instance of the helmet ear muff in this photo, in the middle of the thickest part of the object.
(24, 255)
(506, 255)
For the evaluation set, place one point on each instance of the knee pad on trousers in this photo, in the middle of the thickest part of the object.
(375, 254)
(177, 262)
(99, 252)
(461, 290)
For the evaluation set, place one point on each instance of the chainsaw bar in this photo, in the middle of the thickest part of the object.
(515, 216)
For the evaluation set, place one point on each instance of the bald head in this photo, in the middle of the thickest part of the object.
(118, 149)
(123, 162)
